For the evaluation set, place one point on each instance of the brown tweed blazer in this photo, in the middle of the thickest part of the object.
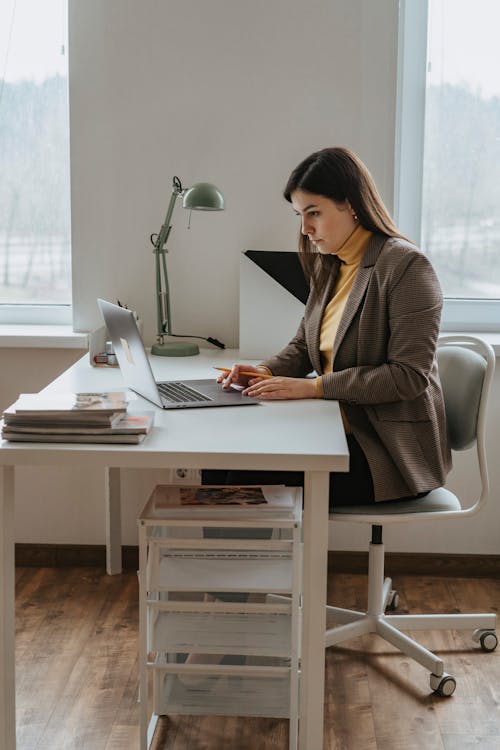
(385, 371)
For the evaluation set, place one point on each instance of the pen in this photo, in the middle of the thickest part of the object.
(244, 372)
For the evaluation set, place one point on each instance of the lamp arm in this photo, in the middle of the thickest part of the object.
(164, 298)
(163, 317)
(162, 236)
(159, 298)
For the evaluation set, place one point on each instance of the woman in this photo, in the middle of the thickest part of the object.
(369, 332)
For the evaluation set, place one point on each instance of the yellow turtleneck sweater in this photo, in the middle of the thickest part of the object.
(350, 254)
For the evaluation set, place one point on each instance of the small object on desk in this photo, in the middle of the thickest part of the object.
(103, 359)
(110, 353)
(245, 372)
(107, 357)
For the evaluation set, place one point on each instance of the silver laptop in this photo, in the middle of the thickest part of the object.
(138, 375)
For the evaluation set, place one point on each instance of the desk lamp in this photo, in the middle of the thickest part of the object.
(202, 196)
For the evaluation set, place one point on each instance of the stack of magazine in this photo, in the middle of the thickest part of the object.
(75, 418)
(169, 500)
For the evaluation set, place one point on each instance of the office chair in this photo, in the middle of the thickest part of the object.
(466, 365)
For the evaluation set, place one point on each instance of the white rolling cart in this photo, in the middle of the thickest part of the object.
(259, 636)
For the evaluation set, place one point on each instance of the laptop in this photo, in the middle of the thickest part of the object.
(138, 375)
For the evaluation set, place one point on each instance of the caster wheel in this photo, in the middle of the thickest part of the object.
(443, 685)
(393, 601)
(486, 638)
(488, 641)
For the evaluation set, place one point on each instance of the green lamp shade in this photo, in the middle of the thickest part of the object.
(203, 196)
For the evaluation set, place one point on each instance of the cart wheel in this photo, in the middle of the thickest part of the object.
(393, 600)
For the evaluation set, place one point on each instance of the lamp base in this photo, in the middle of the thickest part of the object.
(175, 349)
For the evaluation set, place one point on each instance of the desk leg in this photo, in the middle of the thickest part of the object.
(315, 560)
(113, 521)
(7, 612)
(143, 638)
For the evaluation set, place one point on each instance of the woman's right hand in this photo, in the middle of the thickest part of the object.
(235, 376)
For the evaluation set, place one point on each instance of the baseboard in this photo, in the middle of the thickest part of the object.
(71, 556)
(397, 563)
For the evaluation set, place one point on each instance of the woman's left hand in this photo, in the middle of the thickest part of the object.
(281, 388)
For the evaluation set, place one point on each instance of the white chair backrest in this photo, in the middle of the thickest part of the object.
(466, 402)
(462, 373)
(466, 365)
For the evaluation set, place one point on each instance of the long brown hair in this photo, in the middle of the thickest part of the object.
(338, 174)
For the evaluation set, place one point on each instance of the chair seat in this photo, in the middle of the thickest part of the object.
(437, 501)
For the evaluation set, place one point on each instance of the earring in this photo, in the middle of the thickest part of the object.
(354, 215)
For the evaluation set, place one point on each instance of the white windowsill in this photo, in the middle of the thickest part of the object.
(493, 339)
(41, 337)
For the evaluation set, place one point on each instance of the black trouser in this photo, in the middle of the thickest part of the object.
(353, 487)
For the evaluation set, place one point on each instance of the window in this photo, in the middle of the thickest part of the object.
(449, 148)
(35, 252)
(461, 187)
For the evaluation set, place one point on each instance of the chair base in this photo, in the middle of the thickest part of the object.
(352, 624)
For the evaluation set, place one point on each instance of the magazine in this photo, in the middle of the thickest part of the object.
(123, 424)
(69, 419)
(222, 496)
(38, 404)
(130, 428)
(177, 499)
(27, 437)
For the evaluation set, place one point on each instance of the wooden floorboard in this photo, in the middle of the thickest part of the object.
(76, 650)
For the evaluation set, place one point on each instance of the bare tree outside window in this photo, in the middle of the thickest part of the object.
(35, 251)
(461, 190)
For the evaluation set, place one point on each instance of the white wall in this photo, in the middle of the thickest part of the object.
(233, 92)
(236, 93)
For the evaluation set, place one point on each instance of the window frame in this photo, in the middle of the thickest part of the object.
(458, 314)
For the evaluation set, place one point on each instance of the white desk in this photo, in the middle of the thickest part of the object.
(293, 435)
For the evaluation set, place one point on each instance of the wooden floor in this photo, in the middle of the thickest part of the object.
(77, 674)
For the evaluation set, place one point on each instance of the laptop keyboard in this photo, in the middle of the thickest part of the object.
(178, 393)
